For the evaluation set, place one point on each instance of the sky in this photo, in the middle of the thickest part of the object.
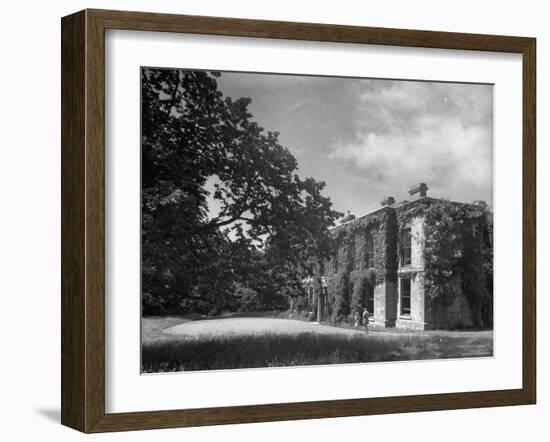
(373, 138)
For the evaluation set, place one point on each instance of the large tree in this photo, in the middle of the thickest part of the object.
(199, 147)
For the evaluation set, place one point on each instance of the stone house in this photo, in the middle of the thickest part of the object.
(419, 264)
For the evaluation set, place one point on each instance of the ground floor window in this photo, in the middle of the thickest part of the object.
(405, 296)
(370, 299)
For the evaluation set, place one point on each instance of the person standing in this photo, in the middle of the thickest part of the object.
(357, 320)
(366, 319)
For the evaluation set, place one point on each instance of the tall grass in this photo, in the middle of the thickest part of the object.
(275, 350)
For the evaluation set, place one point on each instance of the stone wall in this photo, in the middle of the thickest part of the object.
(350, 259)
(417, 319)
(455, 313)
(348, 270)
(415, 272)
(385, 304)
(417, 242)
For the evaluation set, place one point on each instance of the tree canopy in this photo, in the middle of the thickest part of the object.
(225, 216)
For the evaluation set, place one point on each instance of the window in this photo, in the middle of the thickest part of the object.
(405, 296)
(370, 299)
(406, 248)
(474, 231)
(370, 253)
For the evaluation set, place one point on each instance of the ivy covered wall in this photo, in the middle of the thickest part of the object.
(456, 258)
(358, 264)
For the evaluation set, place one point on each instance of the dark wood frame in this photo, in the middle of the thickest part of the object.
(83, 216)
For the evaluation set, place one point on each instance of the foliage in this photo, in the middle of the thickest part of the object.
(249, 299)
(352, 239)
(339, 295)
(201, 148)
(359, 280)
(451, 253)
(454, 261)
(349, 268)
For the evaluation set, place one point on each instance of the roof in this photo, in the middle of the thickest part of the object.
(399, 205)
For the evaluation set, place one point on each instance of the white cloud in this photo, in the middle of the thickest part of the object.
(455, 161)
(370, 138)
(436, 133)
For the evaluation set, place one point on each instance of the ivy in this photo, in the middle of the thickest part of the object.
(359, 280)
(454, 260)
(338, 296)
(350, 270)
(451, 253)
(351, 242)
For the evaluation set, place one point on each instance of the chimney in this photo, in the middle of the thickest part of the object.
(349, 217)
(388, 201)
(418, 191)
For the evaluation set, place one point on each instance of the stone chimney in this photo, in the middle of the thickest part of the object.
(349, 217)
(418, 191)
(388, 201)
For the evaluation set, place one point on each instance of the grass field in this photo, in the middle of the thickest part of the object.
(177, 344)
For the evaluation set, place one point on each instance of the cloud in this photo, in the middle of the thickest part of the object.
(437, 133)
(370, 138)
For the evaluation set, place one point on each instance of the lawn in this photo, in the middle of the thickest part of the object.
(178, 344)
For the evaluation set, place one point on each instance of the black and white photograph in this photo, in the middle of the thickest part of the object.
(262, 222)
(298, 220)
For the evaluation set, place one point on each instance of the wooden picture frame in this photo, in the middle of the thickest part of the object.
(83, 220)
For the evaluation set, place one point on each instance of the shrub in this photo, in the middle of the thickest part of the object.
(249, 299)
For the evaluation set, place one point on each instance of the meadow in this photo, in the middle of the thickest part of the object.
(171, 344)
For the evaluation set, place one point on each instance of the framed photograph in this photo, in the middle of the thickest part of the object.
(269, 220)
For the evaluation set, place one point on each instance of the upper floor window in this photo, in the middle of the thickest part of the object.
(370, 251)
(475, 231)
(406, 248)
